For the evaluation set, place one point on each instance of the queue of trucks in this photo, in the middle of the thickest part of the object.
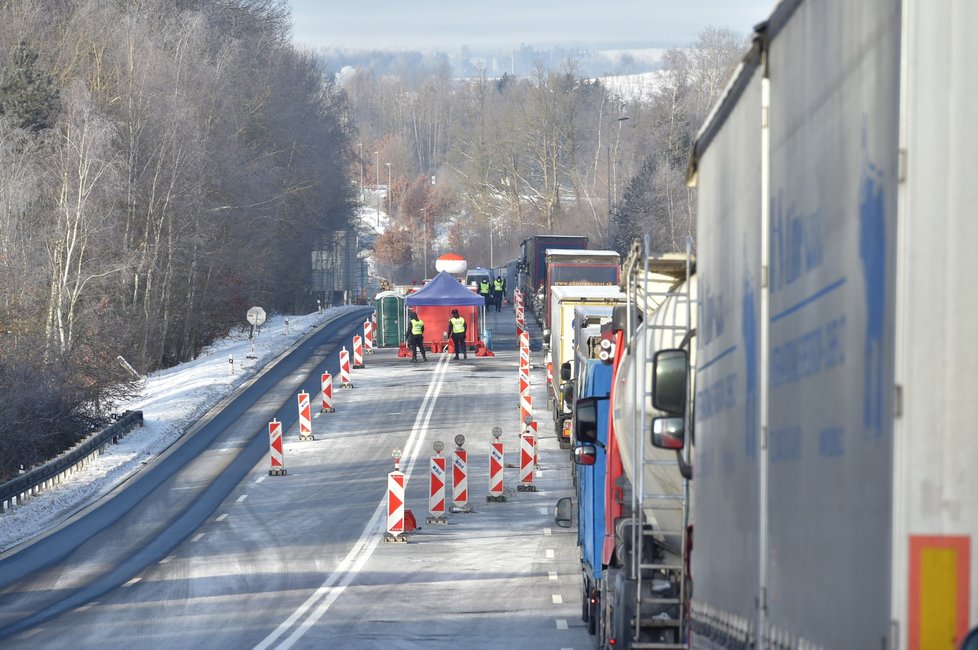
(800, 394)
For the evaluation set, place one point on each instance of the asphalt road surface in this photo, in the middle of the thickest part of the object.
(204, 549)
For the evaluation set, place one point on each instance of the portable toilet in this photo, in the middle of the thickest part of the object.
(391, 318)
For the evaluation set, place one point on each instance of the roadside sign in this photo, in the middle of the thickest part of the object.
(256, 316)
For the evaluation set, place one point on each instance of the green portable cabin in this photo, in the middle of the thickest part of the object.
(391, 318)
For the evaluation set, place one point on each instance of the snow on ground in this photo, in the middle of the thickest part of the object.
(171, 401)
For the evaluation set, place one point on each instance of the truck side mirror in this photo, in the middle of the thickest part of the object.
(564, 513)
(668, 433)
(586, 420)
(565, 371)
(585, 455)
(670, 371)
(567, 393)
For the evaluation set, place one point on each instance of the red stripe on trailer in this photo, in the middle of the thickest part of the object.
(327, 380)
(460, 478)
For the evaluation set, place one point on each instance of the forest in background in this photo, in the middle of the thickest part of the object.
(164, 165)
(477, 163)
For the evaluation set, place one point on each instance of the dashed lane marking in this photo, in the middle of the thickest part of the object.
(547, 531)
(132, 582)
(558, 600)
(222, 517)
(29, 633)
(197, 537)
(550, 554)
(561, 624)
(167, 559)
(552, 574)
(260, 478)
(242, 498)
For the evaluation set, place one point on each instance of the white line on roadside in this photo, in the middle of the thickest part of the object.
(549, 553)
(242, 498)
(552, 574)
(324, 597)
(132, 582)
(197, 537)
(558, 599)
(222, 517)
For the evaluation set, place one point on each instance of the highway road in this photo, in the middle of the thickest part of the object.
(203, 548)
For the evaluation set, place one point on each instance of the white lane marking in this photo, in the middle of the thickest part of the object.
(87, 606)
(242, 498)
(132, 582)
(260, 479)
(561, 624)
(544, 511)
(550, 554)
(558, 600)
(168, 559)
(552, 574)
(222, 517)
(364, 547)
(197, 537)
(316, 416)
(547, 531)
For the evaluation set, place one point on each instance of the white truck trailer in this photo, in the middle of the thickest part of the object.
(836, 502)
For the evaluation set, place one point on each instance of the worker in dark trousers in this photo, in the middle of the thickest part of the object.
(415, 337)
(498, 289)
(485, 290)
(456, 325)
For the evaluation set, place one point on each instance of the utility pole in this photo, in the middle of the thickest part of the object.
(377, 186)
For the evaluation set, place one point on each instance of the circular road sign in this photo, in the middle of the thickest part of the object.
(256, 316)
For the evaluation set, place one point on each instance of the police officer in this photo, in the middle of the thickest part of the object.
(499, 288)
(456, 325)
(415, 337)
(484, 289)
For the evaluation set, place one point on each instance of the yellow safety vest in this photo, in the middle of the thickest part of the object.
(484, 286)
(499, 284)
(417, 327)
(458, 325)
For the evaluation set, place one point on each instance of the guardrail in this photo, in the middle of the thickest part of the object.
(18, 490)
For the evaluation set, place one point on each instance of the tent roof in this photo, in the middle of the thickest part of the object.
(444, 290)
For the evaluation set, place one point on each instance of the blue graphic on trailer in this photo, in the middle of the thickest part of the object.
(872, 253)
(749, 331)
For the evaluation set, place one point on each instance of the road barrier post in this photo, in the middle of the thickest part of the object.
(436, 486)
(305, 417)
(496, 465)
(327, 380)
(526, 464)
(460, 477)
(357, 351)
(345, 369)
(275, 446)
(368, 336)
(395, 502)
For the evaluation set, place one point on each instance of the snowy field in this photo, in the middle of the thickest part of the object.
(171, 401)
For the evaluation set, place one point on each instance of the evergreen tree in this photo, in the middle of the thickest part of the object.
(27, 94)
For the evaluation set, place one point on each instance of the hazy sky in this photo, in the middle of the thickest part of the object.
(448, 24)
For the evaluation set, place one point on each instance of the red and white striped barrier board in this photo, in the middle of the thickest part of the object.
(345, 369)
(526, 410)
(496, 466)
(436, 491)
(327, 392)
(305, 418)
(460, 479)
(275, 447)
(368, 336)
(395, 507)
(357, 351)
(526, 464)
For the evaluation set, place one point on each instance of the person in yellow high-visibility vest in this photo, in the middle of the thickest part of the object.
(498, 288)
(415, 337)
(456, 325)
